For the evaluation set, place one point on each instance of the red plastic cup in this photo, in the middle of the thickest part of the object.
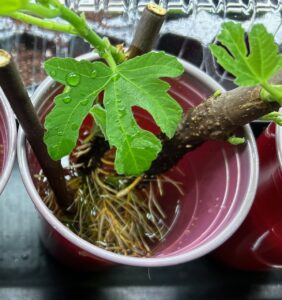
(257, 245)
(219, 181)
(8, 134)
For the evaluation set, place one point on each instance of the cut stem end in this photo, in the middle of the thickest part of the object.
(156, 9)
(5, 58)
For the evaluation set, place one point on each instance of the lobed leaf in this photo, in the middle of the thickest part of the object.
(141, 86)
(152, 96)
(254, 68)
(137, 83)
(133, 83)
(136, 148)
(265, 51)
(71, 107)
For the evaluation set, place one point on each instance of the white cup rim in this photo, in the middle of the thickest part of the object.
(12, 140)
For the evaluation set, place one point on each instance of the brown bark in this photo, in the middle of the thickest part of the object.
(147, 30)
(20, 102)
(214, 119)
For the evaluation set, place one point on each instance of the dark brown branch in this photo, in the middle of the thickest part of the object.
(20, 102)
(147, 30)
(214, 119)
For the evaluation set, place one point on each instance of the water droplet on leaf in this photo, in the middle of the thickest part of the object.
(74, 126)
(59, 132)
(93, 74)
(67, 99)
(73, 79)
(53, 73)
(84, 102)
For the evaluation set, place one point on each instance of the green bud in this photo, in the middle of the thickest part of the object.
(274, 116)
(234, 140)
(217, 93)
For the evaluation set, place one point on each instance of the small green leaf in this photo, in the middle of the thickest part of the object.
(249, 69)
(133, 83)
(9, 6)
(99, 115)
(85, 81)
(141, 87)
(274, 116)
(217, 93)
(235, 140)
(272, 94)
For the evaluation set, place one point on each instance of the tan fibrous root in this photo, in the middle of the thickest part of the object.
(117, 213)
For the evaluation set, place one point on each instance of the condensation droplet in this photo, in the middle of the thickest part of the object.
(84, 102)
(53, 73)
(67, 99)
(59, 133)
(73, 79)
(93, 74)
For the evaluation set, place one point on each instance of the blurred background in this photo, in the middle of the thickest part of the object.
(190, 27)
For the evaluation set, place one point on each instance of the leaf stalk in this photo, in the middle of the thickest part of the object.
(46, 24)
